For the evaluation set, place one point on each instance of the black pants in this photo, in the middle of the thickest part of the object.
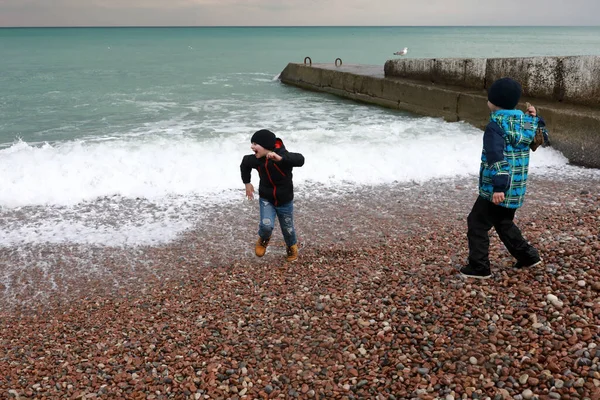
(482, 218)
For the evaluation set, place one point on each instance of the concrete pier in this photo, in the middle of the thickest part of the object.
(565, 91)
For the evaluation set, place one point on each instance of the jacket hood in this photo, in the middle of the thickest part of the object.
(519, 127)
(279, 145)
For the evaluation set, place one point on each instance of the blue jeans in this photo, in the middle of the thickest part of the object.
(285, 215)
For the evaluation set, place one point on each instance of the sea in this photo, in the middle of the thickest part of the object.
(133, 136)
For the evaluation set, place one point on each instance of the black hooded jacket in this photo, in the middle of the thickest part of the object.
(275, 176)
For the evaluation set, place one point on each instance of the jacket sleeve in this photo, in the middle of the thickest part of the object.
(493, 146)
(246, 169)
(542, 124)
(292, 159)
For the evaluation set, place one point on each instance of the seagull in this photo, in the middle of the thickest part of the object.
(402, 52)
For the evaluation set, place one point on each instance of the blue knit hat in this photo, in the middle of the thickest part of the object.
(505, 93)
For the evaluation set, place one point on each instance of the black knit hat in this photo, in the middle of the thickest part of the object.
(505, 93)
(265, 138)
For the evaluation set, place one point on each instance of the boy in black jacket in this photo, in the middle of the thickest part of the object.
(276, 190)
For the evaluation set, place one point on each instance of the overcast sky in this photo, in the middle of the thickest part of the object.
(296, 12)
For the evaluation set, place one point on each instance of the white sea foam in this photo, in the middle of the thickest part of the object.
(86, 191)
(66, 231)
(159, 166)
(69, 173)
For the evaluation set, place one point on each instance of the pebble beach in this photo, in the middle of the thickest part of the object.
(374, 308)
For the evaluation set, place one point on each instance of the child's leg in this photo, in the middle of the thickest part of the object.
(267, 219)
(479, 223)
(285, 214)
(512, 238)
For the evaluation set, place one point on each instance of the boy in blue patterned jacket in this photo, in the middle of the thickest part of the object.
(502, 180)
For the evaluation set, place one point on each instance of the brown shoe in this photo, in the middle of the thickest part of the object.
(261, 247)
(292, 253)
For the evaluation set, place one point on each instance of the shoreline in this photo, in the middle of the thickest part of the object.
(43, 276)
(373, 307)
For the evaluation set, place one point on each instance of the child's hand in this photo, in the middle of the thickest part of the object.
(530, 110)
(274, 156)
(249, 191)
(497, 198)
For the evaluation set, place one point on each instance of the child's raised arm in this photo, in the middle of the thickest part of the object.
(293, 159)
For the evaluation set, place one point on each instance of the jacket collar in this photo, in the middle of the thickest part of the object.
(507, 113)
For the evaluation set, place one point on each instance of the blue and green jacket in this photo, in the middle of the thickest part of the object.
(505, 156)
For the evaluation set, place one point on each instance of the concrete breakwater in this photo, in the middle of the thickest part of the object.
(565, 90)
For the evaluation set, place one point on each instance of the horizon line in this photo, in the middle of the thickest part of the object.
(295, 26)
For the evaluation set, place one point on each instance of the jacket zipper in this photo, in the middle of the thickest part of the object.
(271, 180)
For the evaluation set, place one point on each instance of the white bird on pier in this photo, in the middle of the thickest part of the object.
(402, 52)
